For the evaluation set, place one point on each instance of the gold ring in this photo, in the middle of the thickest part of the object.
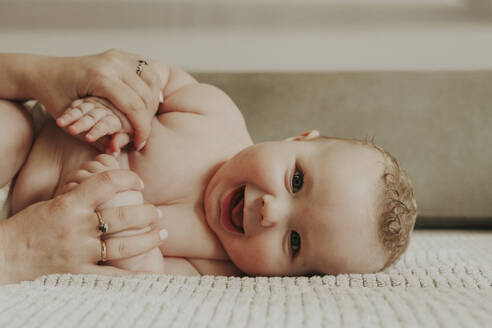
(103, 227)
(140, 66)
(103, 252)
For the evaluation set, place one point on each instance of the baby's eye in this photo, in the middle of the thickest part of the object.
(295, 243)
(297, 181)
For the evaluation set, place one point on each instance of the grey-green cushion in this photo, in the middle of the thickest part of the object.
(438, 124)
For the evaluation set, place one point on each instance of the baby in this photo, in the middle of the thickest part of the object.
(304, 205)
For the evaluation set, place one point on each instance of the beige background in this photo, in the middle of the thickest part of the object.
(438, 124)
(260, 35)
(416, 74)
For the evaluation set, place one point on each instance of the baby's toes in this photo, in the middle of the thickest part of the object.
(74, 112)
(88, 120)
(107, 160)
(68, 117)
(108, 125)
(94, 167)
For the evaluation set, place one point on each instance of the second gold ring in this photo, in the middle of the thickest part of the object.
(103, 227)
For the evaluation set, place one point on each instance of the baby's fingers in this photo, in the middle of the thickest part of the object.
(108, 125)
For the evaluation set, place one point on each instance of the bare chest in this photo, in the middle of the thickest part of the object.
(181, 156)
(179, 159)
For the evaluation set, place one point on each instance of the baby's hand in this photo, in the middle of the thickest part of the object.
(97, 118)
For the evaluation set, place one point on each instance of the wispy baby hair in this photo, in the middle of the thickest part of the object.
(396, 208)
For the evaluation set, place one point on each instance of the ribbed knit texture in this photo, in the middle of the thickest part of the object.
(444, 280)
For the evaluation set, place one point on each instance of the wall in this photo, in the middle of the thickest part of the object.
(267, 35)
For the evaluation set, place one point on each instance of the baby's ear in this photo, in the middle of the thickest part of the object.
(305, 136)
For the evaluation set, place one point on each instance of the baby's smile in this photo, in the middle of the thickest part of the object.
(237, 205)
(232, 211)
(291, 207)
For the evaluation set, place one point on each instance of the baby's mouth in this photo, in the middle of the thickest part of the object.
(232, 207)
(237, 209)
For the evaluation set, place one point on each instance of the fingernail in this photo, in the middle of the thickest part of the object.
(139, 148)
(163, 234)
(161, 97)
(159, 212)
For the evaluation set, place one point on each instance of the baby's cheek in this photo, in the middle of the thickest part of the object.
(254, 259)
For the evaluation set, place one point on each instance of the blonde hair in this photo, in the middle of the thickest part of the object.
(396, 208)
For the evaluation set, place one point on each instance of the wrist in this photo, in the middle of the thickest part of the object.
(44, 82)
(29, 76)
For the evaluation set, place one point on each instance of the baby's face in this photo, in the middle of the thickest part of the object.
(307, 206)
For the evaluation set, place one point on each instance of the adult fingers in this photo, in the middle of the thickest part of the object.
(124, 247)
(129, 103)
(148, 85)
(102, 186)
(129, 217)
(108, 161)
(141, 89)
(77, 177)
(93, 167)
(68, 187)
(151, 77)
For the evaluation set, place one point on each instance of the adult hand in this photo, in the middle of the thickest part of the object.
(61, 235)
(111, 75)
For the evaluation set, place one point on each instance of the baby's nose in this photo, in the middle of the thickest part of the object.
(270, 211)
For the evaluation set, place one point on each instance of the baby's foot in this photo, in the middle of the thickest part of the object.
(151, 261)
(103, 163)
(96, 118)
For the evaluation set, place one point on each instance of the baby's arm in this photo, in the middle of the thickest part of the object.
(181, 93)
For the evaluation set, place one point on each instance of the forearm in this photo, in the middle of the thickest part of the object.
(18, 72)
(28, 76)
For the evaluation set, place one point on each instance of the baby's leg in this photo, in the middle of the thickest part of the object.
(16, 137)
(94, 120)
(150, 261)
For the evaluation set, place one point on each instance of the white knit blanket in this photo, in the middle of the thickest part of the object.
(444, 280)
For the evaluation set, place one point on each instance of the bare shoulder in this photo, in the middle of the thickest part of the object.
(201, 99)
(202, 109)
(183, 93)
